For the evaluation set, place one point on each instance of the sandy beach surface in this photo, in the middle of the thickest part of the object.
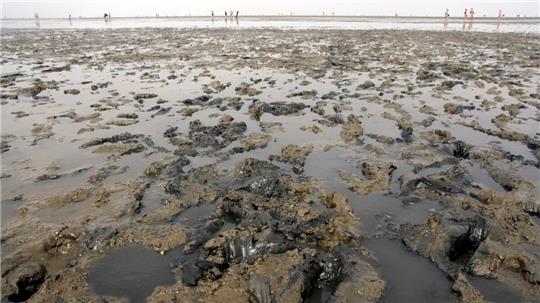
(263, 165)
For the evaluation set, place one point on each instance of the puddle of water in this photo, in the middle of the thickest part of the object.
(409, 277)
(195, 215)
(8, 210)
(530, 172)
(475, 137)
(481, 176)
(130, 272)
(496, 292)
(371, 208)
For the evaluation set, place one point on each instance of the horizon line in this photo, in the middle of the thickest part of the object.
(271, 15)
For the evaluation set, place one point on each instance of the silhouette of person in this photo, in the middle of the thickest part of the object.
(465, 18)
(471, 17)
(36, 16)
(446, 15)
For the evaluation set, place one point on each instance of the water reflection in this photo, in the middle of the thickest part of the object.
(36, 16)
(529, 25)
(446, 16)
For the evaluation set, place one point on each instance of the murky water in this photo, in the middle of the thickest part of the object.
(410, 278)
(130, 272)
(496, 292)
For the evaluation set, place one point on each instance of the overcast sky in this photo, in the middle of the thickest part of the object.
(89, 8)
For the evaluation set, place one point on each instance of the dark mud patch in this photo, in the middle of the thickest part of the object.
(130, 272)
(409, 277)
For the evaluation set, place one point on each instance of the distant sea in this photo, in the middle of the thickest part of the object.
(518, 25)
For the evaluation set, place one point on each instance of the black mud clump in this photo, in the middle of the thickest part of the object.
(467, 244)
(451, 70)
(57, 69)
(275, 108)
(273, 218)
(252, 167)
(193, 272)
(141, 96)
(454, 242)
(407, 134)
(217, 136)
(181, 183)
(203, 101)
(20, 280)
(461, 149)
(112, 139)
(205, 139)
(453, 180)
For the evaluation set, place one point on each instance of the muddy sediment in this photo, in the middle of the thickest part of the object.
(270, 166)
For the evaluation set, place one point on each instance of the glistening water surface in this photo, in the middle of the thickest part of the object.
(519, 25)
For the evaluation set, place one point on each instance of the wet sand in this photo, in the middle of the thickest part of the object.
(480, 24)
(264, 165)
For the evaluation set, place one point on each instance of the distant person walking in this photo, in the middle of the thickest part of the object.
(36, 16)
(212, 14)
(471, 17)
(225, 14)
(446, 15)
(465, 18)
(237, 12)
(499, 17)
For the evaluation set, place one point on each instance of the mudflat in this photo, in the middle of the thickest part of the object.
(264, 165)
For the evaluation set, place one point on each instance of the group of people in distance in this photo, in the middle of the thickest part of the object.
(230, 14)
(468, 19)
(468, 16)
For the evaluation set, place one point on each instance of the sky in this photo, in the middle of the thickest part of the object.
(132, 8)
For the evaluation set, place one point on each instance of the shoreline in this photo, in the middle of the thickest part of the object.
(431, 25)
(321, 30)
(352, 18)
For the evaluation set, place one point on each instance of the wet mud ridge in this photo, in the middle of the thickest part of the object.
(269, 166)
